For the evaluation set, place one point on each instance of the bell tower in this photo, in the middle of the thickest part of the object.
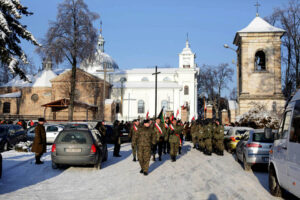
(259, 65)
(187, 57)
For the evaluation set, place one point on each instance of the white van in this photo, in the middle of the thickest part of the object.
(284, 164)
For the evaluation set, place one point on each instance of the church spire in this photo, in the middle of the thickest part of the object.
(101, 40)
(187, 44)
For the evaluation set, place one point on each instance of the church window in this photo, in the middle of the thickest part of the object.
(6, 107)
(186, 66)
(164, 104)
(166, 79)
(145, 79)
(141, 106)
(34, 97)
(260, 61)
(118, 108)
(186, 90)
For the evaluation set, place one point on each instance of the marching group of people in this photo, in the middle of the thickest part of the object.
(153, 137)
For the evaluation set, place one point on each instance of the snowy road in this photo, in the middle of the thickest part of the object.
(193, 176)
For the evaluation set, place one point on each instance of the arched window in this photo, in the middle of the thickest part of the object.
(164, 104)
(141, 106)
(6, 107)
(118, 107)
(260, 61)
(145, 79)
(186, 90)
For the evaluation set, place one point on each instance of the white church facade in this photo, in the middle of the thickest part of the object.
(133, 90)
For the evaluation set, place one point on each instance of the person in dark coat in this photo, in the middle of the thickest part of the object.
(117, 139)
(39, 142)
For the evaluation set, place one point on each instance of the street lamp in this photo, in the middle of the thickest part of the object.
(228, 47)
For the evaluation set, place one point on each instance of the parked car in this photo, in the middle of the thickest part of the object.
(284, 164)
(253, 148)
(10, 135)
(124, 135)
(83, 125)
(233, 137)
(109, 134)
(0, 165)
(52, 131)
(78, 147)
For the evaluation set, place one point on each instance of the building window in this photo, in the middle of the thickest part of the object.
(144, 79)
(186, 66)
(186, 90)
(141, 106)
(35, 97)
(260, 61)
(6, 107)
(118, 107)
(164, 105)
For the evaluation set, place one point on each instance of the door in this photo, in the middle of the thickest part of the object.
(293, 152)
(281, 151)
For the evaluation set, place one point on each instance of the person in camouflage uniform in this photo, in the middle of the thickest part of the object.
(102, 130)
(208, 130)
(167, 131)
(218, 139)
(145, 138)
(132, 135)
(194, 134)
(179, 123)
(201, 132)
(158, 129)
(174, 139)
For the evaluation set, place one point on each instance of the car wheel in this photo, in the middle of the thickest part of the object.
(247, 167)
(6, 146)
(274, 186)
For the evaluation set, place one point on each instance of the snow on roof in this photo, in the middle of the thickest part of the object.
(259, 25)
(147, 85)
(11, 95)
(43, 78)
(232, 105)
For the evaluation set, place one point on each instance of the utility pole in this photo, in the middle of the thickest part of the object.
(129, 99)
(155, 89)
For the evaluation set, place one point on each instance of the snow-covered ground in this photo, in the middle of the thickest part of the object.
(193, 176)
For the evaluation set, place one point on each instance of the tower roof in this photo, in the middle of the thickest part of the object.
(259, 25)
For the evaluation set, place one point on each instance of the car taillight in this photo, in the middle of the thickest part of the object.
(93, 149)
(251, 145)
(53, 148)
(233, 139)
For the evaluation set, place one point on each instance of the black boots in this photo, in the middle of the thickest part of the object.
(159, 158)
(142, 171)
(146, 173)
(38, 160)
(173, 158)
(134, 160)
(154, 158)
(179, 150)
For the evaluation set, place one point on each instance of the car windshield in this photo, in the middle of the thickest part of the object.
(240, 132)
(260, 137)
(70, 126)
(2, 131)
(74, 138)
(31, 129)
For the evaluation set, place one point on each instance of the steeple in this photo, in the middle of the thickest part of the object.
(257, 8)
(187, 57)
(101, 40)
(187, 44)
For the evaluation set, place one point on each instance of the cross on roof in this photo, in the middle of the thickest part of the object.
(257, 5)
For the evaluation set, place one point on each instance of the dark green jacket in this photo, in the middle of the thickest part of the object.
(145, 137)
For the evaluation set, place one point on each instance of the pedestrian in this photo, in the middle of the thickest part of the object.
(102, 130)
(117, 138)
(144, 140)
(174, 139)
(132, 135)
(158, 129)
(39, 142)
(167, 134)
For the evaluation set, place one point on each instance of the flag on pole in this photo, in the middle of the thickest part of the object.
(172, 117)
(193, 119)
(177, 113)
(161, 116)
(147, 115)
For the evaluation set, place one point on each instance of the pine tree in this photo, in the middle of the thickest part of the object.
(11, 33)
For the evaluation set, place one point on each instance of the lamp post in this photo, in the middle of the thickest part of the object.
(122, 80)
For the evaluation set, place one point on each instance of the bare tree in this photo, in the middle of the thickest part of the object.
(289, 19)
(233, 94)
(71, 38)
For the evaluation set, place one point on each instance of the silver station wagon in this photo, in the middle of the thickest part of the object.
(78, 147)
(254, 148)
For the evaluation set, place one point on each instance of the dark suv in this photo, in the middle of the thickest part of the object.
(10, 135)
(78, 147)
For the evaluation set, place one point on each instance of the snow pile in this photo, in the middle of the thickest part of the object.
(23, 146)
(43, 79)
(260, 25)
(258, 117)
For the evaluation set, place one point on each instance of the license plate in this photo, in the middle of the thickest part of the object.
(73, 150)
(266, 159)
(125, 133)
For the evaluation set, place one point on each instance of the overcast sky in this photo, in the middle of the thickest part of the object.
(145, 33)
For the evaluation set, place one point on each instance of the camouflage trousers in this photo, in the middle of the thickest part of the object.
(174, 148)
(134, 150)
(194, 140)
(201, 144)
(218, 145)
(208, 145)
(144, 155)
